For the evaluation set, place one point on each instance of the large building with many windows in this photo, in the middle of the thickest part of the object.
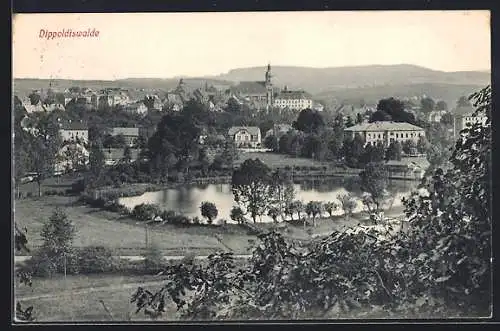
(386, 132)
(294, 100)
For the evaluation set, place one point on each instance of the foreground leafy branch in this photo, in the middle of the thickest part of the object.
(443, 261)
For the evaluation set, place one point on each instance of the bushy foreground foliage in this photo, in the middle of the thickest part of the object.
(441, 263)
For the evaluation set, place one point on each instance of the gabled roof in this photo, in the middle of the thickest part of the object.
(293, 95)
(253, 130)
(384, 126)
(248, 87)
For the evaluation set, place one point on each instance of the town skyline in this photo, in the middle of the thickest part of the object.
(147, 45)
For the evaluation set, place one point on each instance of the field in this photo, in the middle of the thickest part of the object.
(81, 298)
(126, 236)
(78, 298)
(274, 160)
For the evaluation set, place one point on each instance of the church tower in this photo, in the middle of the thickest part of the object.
(269, 88)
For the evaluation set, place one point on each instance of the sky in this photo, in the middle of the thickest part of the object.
(164, 45)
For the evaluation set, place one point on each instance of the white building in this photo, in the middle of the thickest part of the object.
(436, 115)
(386, 132)
(74, 132)
(245, 136)
(295, 100)
(136, 108)
(461, 122)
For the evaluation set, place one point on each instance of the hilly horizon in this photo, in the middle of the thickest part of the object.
(319, 80)
(374, 81)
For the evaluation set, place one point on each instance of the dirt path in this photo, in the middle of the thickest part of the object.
(90, 290)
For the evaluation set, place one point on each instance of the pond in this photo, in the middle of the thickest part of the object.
(187, 200)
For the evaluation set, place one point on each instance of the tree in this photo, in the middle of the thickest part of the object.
(141, 142)
(314, 147)
(209, 211)
(34, 98)
(442, 262)
(452, 220)
(229, 154)
(178, 134)
(117, 141)
(447, 119)
(280, 183)
(348, 203)
(297, 207)
(359, 118)
(422, 145)
(394, 151)
(374, 181)
(463, 101)
(271, 142)
(309, 121)
(233, 106)
(392, 109)
(441, 105)
(274, 212)
(353, 150)
(409, 147)
(56, 253)
(313, 209)
(330, 207)
(251, 187)
(43, 150)
(427, 105)
(203, 159)
(237, 215)
(22, 154)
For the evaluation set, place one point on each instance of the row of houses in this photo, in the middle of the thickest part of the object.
(257, 95)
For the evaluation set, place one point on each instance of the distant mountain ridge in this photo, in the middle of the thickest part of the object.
(317, 80)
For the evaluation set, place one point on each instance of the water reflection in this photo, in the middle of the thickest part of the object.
(187, 200)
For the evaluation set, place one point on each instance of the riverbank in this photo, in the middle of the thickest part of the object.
(126, 236)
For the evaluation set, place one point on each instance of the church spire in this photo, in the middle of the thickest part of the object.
(268, 74)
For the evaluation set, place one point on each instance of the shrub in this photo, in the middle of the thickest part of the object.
(78, 186)
(153, 259)
(96, 259)
(145, 212)
(44, 263)
(188, 258)
(179, 220)
(167, 215)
